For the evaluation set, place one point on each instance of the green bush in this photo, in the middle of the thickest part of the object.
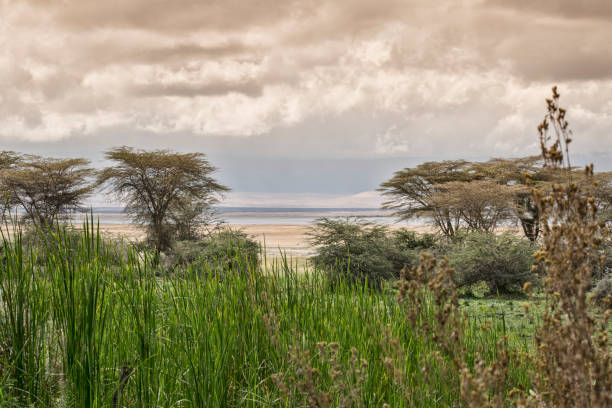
(502, 261)
(603, 269)
(406, 239)
(360, 251)
(225, 250)
(602, 294)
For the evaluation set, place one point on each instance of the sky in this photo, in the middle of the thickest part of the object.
(315, 98)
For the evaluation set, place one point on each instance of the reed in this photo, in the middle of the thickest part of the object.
(97, 325)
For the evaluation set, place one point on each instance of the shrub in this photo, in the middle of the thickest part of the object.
(361, 251)
(602, 294)
(225, 250)
(602, 267)
(406, 239)
(405, 247)
(503, 261)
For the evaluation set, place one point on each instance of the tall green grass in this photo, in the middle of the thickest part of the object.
(24, 326)
(96, 325)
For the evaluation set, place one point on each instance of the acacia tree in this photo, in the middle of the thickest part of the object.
(8, 160)
(601, 191)
(479, 205)
(411, 192)
(156, 185)
(187, 215)
(523, 174)
(46, 188)
(423, 191)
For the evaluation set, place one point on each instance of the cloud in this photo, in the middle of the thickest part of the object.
(189, 89)
(431, 77)
(569, 9)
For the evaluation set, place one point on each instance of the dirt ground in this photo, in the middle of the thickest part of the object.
(289, 240)
(292, 239)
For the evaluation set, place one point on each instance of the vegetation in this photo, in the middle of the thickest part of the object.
(165, 191)
(82, 331)
(602, 294)
(46, 189)
(504, 262)
(523, 174)
(411, 191)
(474, 196)
(220, 251)
(8, 160)
(601, 190)
(479, 205)
(359, 251)
(85, 322)
(571, 231)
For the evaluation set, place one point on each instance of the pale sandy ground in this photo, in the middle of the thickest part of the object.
(290, 239)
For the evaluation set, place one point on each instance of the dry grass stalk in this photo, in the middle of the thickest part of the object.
(430, 286)
(573, 361)
(571, 365)
(303, 382)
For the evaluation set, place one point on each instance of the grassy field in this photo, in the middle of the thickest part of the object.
(85, 324)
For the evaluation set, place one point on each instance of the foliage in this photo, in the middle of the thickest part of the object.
(8, 160)
(360, 251)
(46, 188)
(480, 204)
(602, 294)
(219, 251)
(504, 262)
(405, 239)
(455, 194)
(411, 190)
(42, 242)
(601, 259)
(163, 190)
(518, 173)
(78, 331)
(601, 190)
(460, 195)
(429, 290)
(571, 231)
(24, 317)
(87, 334)
(188, 216)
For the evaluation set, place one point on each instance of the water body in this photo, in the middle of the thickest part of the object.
(266, 215)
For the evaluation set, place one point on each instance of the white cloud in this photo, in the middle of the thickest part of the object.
(446, 76)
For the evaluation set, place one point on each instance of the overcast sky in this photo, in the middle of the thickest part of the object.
(312, 96)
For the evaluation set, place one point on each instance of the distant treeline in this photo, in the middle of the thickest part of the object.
(172, 194)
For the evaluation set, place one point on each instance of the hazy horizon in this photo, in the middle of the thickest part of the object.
(312, 102)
